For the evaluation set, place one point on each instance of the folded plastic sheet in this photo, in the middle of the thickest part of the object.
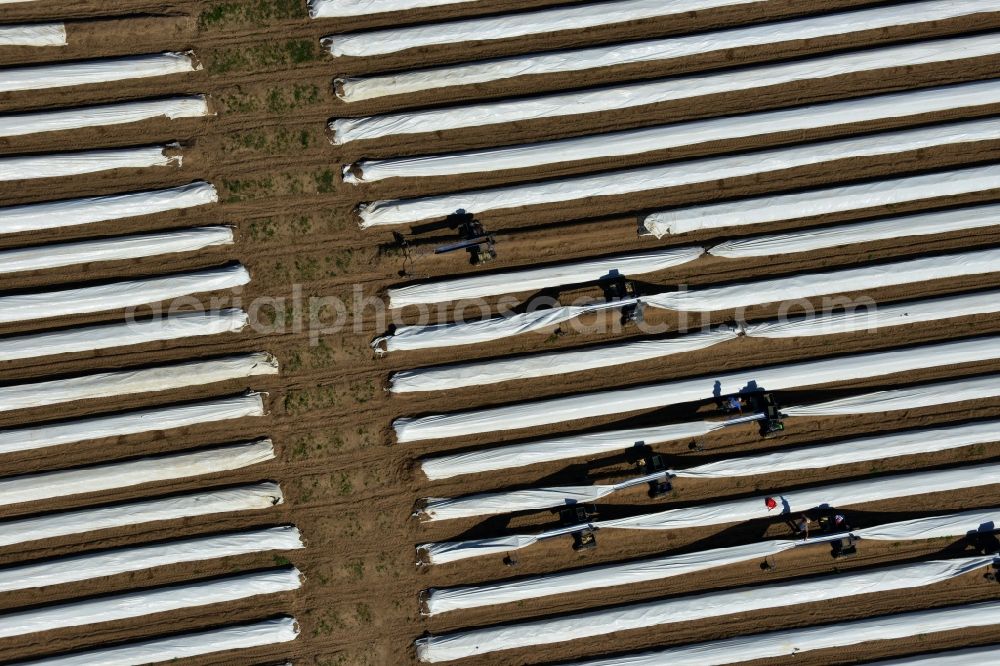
(559, 448)
(823, 238)
(180, 646)
(118, 295)
(49, 526)
(634, 142)
(862, 449)
(657, 568)
(577, 17)
(118, 248)
(352, 89)
(103, 115)
(790, 642)
(152, 469)
(924, 395)
(642, 571)
(27, 438)
(492, 284)
(548, 364)
(57, 165)
(822, 201)
(72, 212)
(602, 442)
(481, 373)
(342, 8)
(585, 624)
(616, 98)
(808, 285)
(688, 172)
(90, 338)
(986, 654)
(103, 70)
(141, 603)
(86, 566)
(485, 504)
(485, 330)
(621, 401)
(38, 34)
(131, 382)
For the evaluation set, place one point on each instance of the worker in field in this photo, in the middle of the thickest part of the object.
(829, 520)
(772, 503)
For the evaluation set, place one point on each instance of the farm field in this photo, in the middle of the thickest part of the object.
(248, 415)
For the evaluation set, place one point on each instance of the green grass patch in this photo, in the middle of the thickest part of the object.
(263, 56)
(259, 13)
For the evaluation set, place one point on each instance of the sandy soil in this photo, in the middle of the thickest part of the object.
(348, 485)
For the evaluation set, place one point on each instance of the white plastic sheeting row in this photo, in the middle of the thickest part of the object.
(823, 201)
(785, 289)
(788, 642)
(102, 115)
(862, 449)
(118, 295)
(80, 521)
(688, 172)
(576, 626)
(115, 475)
(485, 504)
(551, 411)
(548, 364)
(976, 655)
(560, 448)
(642, 571)
(469, 333)
(480, 286)
(353, 89)
(923, 224)
(897, 314)
(735, 511)
(507, 26)
(103, 70)
(482, 373)
(342, 8)
(444, 600)
(924, 395)
(616, 98)
(90, 338)
(181, 646)
(117, 248)
(602, 442)
(131, 382)
(72, 212)
(36, 34)
(27, 438)
(663, 137)
(808, 285)
(148, 602)
(935, 527)
(87, 566)
(57, 165)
